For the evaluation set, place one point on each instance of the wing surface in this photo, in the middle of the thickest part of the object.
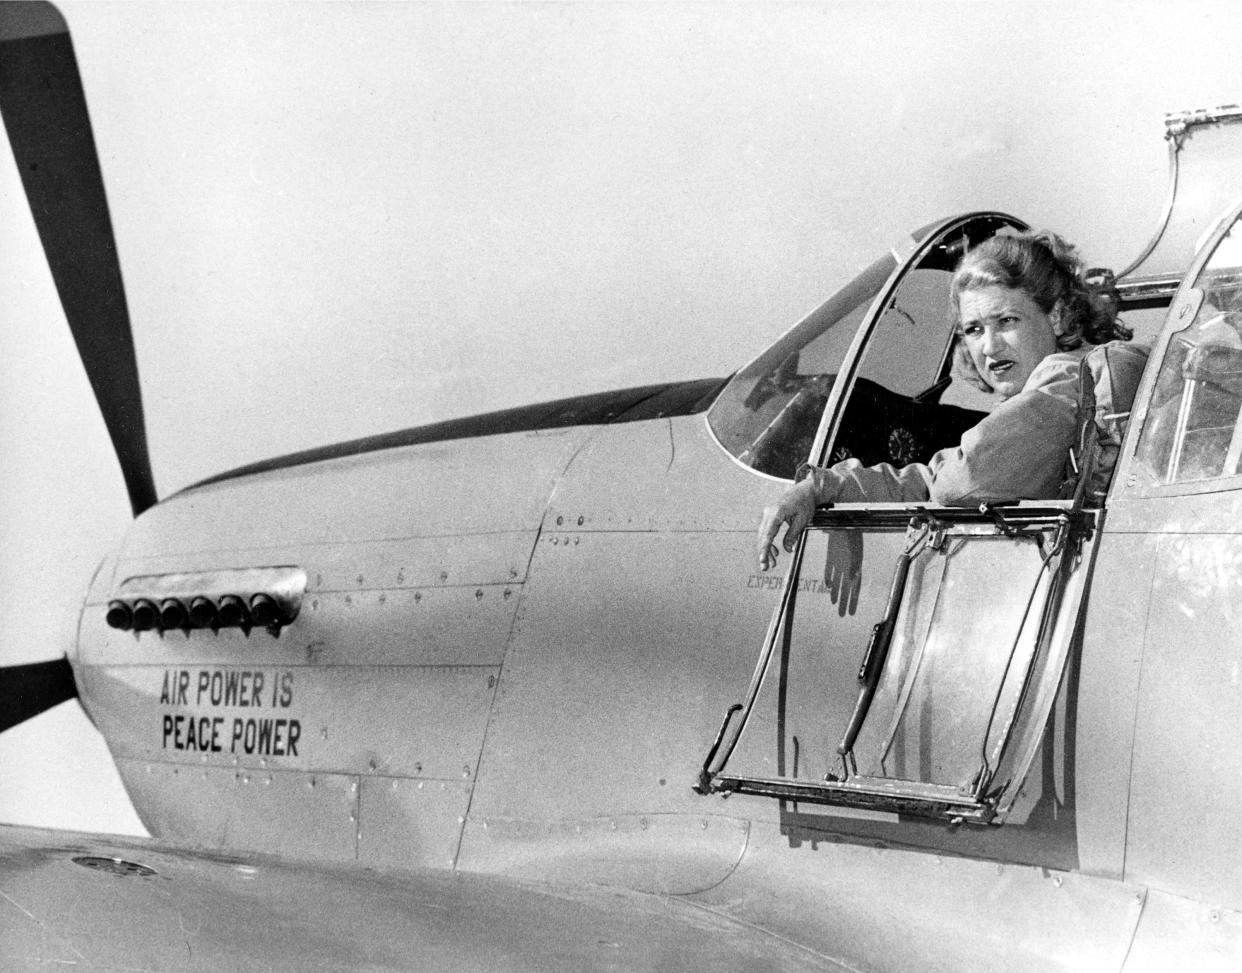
(98, 903)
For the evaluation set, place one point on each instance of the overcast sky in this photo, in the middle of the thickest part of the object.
(341, 219)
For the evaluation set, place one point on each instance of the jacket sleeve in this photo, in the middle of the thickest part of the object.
(1017, 452)
(851, 482)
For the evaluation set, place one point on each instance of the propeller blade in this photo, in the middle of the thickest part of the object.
(44, 109)
(28, 690)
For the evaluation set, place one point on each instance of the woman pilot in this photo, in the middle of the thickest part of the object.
(1032, 334)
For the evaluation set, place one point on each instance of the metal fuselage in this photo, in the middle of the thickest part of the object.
(510, 653)
(514, 650)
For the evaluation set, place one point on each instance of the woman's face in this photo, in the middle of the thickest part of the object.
(1006, 334)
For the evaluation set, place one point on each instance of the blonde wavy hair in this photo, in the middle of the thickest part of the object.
(1049, 271)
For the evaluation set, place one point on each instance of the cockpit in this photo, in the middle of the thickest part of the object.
(904, 401)
(924, 681)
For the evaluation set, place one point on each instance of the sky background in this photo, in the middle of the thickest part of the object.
(337, 219)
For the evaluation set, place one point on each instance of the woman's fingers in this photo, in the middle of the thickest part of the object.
(798, 519)
(769, 527)
(794, 509)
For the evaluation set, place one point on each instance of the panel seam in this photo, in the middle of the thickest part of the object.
(1138, 708)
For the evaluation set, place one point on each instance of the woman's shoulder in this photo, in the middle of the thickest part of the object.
(1115, 369)
(1113, 357)
(1059, 369)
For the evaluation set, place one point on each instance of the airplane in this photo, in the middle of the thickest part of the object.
(551, 718)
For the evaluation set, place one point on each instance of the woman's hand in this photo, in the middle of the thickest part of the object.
(795, 508)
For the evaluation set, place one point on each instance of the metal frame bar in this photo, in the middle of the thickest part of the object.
(868, 793)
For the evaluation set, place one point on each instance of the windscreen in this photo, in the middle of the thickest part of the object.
(768, 414)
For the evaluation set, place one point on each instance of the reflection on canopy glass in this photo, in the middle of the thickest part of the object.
(1193, 431)
(768, 414)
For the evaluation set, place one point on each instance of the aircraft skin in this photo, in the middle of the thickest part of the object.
(552, 734)
(494, 666)
(519, 674)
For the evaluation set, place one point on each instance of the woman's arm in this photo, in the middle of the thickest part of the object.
(846, 482)
(1017, 452)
